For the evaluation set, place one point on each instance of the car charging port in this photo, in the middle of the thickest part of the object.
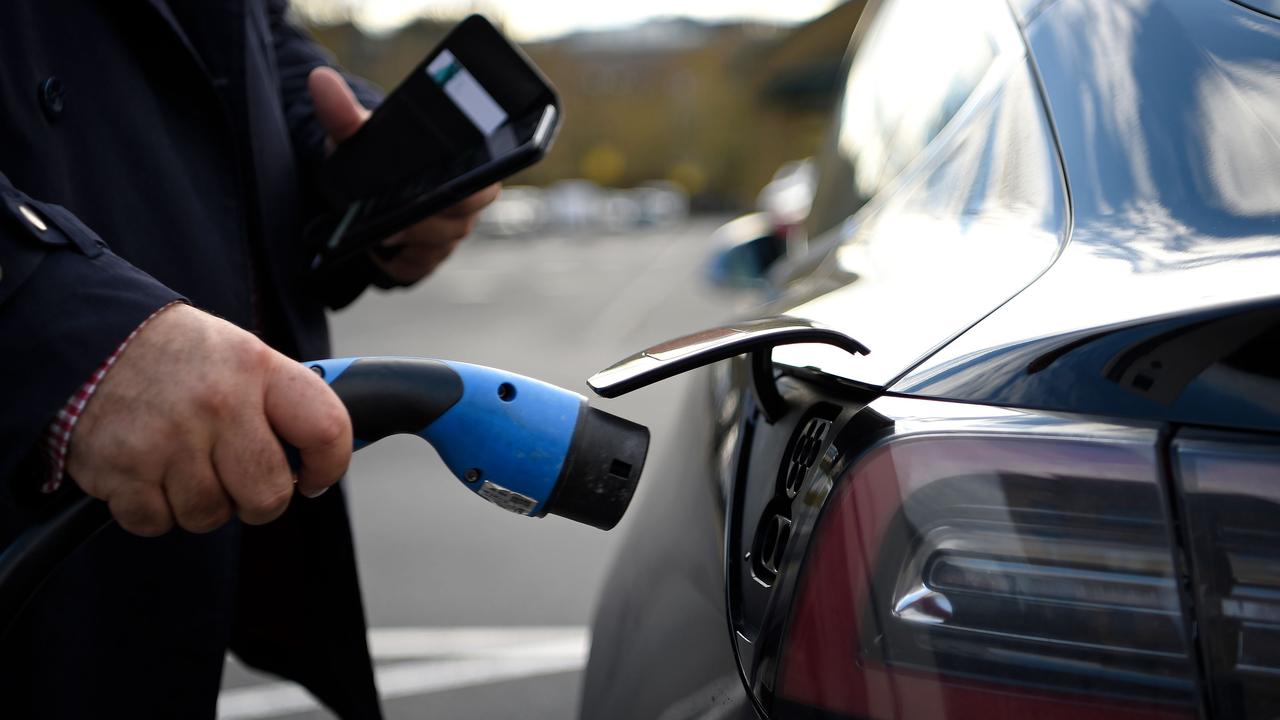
(770, 544)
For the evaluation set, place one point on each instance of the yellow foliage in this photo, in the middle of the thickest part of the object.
(603, 164)
(689, 176)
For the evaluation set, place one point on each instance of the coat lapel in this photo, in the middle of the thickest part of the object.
(162, 9)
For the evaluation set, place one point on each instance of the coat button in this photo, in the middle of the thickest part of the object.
(52, 97)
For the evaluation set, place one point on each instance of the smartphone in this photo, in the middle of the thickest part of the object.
(473, 112)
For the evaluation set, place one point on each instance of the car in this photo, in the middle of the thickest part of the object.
(1006, 443)
(517, 212)
(747, 246)
(575, 205)
(787, 198)
(663, 204)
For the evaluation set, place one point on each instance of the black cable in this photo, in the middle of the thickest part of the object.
(36, 553)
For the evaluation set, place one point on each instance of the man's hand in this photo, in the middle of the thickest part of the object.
(425, 245)
(187, 426)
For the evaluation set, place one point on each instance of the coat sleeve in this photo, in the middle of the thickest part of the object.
(296, 56)
(66, 302)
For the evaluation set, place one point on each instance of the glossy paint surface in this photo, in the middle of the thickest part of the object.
(974, 218)
(1167, 114)
(659, 646)
(1216, 367)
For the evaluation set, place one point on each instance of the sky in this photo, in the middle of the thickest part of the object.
(538, 19)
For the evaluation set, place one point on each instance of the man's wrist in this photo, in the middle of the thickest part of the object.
(57, 438)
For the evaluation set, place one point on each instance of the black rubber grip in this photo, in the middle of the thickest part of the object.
(389, 396)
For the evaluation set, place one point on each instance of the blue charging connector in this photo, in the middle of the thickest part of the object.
(522, 444)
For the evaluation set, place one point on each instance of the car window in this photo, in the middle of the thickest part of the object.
(916, 64)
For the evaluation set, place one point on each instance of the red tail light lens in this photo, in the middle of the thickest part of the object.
(972, 574)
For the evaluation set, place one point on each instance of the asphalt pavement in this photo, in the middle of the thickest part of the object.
(475, 612)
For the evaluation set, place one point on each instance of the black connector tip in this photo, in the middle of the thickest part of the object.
(601, 470)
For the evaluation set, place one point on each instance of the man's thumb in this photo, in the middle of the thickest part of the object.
(337, 109)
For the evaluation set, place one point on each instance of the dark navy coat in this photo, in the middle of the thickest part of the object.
(151, 150)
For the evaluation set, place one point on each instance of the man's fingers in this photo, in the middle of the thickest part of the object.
(399, 238)
(473, 204)
(196, 498)
(305, 413)
(251, 467)
(142, 510)
(415, 261)
(416, 258)
(441, 230)
(337, 109)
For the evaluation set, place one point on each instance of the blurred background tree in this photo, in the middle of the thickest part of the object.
(714, 107)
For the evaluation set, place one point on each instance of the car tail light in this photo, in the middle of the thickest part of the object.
(1230, 491)
(980, 574)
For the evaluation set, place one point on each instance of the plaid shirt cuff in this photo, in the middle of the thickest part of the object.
(57, 439)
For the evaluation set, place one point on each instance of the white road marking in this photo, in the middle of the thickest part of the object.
(439, 659)
(426, 642)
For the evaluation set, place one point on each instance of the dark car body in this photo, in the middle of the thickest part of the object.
(1052, 488)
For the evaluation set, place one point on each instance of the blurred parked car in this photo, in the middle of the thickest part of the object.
(620, 211)
(581, 206)
(1050, 488)
(654, 205)
(662, 203)
(744, 250)
(517, 212)
(575, 205)
(789, 195)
